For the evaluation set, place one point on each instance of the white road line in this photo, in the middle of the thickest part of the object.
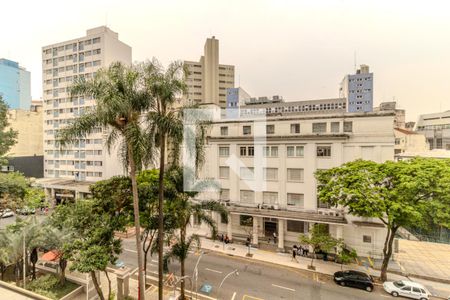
(130, 250)
(211, 270)
(155, 261)
(283, 287)
(234, 295)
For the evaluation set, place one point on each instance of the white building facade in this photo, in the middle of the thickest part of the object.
(62, 63)
(266, 168)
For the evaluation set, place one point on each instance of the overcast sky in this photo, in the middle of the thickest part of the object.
(297, 49)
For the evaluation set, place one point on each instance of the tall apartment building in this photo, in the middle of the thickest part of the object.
(87, 159)
(358, 90)
(15, 85)
(266, 164)
(208, 80)
(436, 128)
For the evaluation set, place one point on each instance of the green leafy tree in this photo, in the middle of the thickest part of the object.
(397, 193)
(13, 189)
(8, 136)
(182, 208)
(35, 198)
(91, 245)
(319, 239)
(121, 100)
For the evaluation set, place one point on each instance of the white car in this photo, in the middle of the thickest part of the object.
(6, 213)
(407, 289)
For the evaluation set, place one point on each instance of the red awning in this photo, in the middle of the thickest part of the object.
(52, 255)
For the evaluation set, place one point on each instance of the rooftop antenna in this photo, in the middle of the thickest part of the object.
(354, 60)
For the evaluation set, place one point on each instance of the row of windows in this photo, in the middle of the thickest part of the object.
(292, 226)
(74, 162)
(269, 174)
(360, 79)
(319, 127)
(73, 152)
(73, 173)
(72, 57)
(434, 127)
(73, 46)
(272, 151)
(293, 108)
(270, 198)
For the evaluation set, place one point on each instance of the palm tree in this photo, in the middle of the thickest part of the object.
(165, 124)
(182, 208)
(121, 100)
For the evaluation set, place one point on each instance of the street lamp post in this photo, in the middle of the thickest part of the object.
(179, 280)
(195, 274)
(228, 275)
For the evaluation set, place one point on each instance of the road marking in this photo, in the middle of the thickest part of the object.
(283, 287)
(234, 295)
(211, 270)
(245, 297)
(130, 250)
(155, 261)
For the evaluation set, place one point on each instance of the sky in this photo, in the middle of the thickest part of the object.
(300, 50)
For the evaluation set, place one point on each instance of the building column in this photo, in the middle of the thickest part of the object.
(255, 232)
(281, 223)
(229, 228)
(77, 195)
(310, 229)
(339, 235)
(120, 295)
(52, 198)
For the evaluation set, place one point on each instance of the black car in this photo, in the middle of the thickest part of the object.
(355, 279)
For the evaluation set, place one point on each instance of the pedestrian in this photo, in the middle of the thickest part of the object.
(227, 239)
(294, 254)
(222, 238)
(300, 250)
(248, 242)
(305, 251)
(274, 237)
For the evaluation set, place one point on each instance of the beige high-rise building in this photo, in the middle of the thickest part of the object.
(87, 159)
(208, 80)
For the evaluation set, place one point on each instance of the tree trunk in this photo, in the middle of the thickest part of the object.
(137, 225)
(97, 286)
(387, 252)
(33, 259)
(62, 265)
(109, 285)
(182, 271)
(162, 146)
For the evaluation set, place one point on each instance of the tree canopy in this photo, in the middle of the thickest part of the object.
(8, 136)
(398, 193)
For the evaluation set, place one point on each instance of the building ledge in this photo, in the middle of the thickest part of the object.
(288, 215)
(368, 224)
(65, 184)
(318, 136)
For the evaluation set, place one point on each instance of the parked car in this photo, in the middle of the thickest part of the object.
(354, 279)
(6, 213)
(407, 289)
(26, 211)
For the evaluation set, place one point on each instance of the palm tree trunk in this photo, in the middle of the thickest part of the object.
(182, 259)
(109, 285)
(137, 225)
(162, 144)
(97, 286)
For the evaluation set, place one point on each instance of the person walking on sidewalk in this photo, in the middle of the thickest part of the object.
(274, 237)
(294, 254)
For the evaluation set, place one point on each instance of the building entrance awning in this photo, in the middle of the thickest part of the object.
(288, 215)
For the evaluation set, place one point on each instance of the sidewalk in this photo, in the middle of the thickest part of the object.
(329, 268)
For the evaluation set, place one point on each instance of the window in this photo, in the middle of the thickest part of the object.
(247, 173)
(295, 151)
(321, 204)
(406, 289)
(247, 196)
(323, 151)
(295, 128)
(224, 151)
(270, 198)
(397, 141)
(367, 239)
(319, 127)
(270, 151)
(224, 194)
(245, 220)
(415, 289)
(439, 143)
(295, 175)
(247, 151)
(295, 226)
(295, 200)
(224, 130)
(247, 130)
(334, 126)
(224, 172)
(270, 174)
(270, 129)
(348, 126)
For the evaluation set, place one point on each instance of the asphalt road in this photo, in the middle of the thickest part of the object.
(256, 280)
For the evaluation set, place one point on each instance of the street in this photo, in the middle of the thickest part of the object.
(256, 280)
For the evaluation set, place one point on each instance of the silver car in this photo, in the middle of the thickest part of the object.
(407, 289)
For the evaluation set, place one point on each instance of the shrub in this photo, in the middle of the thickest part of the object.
(44, 283)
